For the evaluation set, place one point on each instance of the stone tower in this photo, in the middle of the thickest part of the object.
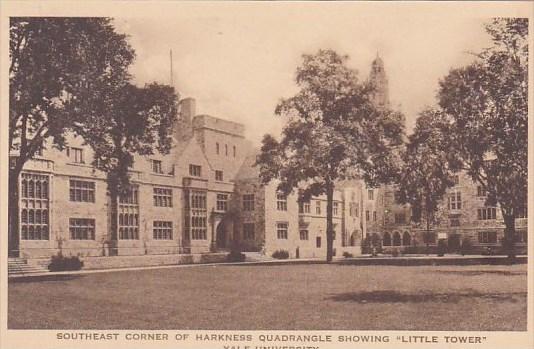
(379, 79)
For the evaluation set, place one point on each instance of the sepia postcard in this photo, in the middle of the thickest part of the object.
(266, 175)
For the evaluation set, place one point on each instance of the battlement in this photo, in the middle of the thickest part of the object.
(220, 125)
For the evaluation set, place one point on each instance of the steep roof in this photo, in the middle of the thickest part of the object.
(247, 169)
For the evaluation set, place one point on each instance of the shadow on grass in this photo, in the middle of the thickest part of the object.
(480, 272)
(388, 296)
(45, 278)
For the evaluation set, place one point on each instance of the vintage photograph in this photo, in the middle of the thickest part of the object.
(275, 166)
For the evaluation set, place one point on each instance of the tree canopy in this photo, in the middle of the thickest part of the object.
(333, 132)
(487, 103)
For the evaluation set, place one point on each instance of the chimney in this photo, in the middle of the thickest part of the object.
(187, 110)
(184, 126)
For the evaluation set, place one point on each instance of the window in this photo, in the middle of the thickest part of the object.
(156, 166)
(374, 216)
(162, 230)
(248, 231)
(34, 206)
(335, 208)
(82, 191)
(248, 202)
(367, 215)
(234, 151)
(353, 209)
(281, 202)
(487, 213)
(163, 197)
(82, 228)
(386, 240)
(75, 155)
(219, 175)
(455, 222)
(318, 207)
(226, 149)
(406, 239)
(129, 215)
(396, 239)
(196, 222)
(217, 148)
(304, 207)
(397, 196)
(318, 242)
(370, 194)
(487, 237)
(455, 201)
(480, 191)
(400, 218)
(304, 235)
(521, 236)
(195, 170)
(456, 180)
(281, 230)
(521, 213)
(222, 202)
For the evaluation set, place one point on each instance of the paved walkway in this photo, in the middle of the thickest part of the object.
(364, 260)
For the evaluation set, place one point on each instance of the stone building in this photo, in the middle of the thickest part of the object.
(206, 195)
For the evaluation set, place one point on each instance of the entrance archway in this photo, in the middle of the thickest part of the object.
(221, 235)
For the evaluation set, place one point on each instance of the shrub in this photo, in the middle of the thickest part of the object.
(235, 256)
(61, 263)
(347, 254)
(281, 254)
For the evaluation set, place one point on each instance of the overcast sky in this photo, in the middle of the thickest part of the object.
(237, 61)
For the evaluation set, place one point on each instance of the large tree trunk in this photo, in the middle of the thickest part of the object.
(329, 223)
(509, 234)
(13, 212)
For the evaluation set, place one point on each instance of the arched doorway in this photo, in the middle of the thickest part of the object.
(406, 239)
(386, 241)
(396, 239)
(221, 235)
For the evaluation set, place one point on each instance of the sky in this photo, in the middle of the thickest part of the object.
(238, 61)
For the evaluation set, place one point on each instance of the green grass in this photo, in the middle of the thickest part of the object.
(292, 297)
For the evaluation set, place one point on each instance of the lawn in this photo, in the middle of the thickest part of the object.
(292, 297)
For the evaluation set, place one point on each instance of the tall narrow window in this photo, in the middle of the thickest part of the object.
(335, 208)
(197, 216)
(222, 202)
(281, 202)
(248, 202)
(128, 215)
(219, 175)
(455, 201)
(217, 148)
(281, 230)
(157, 166)
(370, 194)
(234, 151)
(34, 206)
(318, 207)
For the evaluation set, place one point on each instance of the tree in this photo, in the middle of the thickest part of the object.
(58, 68)
(333, 132)
(487, 103)
(426, 168)
(134, 120)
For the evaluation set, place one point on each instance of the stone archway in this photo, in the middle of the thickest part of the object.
(221, 235)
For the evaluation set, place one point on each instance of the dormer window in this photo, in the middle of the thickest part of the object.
(75, 155)
(195, 170)
(157, 166)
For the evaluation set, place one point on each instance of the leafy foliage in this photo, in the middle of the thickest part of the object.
(428, 166)
(487, 102)
(333, 132)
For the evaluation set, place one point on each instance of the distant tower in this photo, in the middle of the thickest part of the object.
(379, 79)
